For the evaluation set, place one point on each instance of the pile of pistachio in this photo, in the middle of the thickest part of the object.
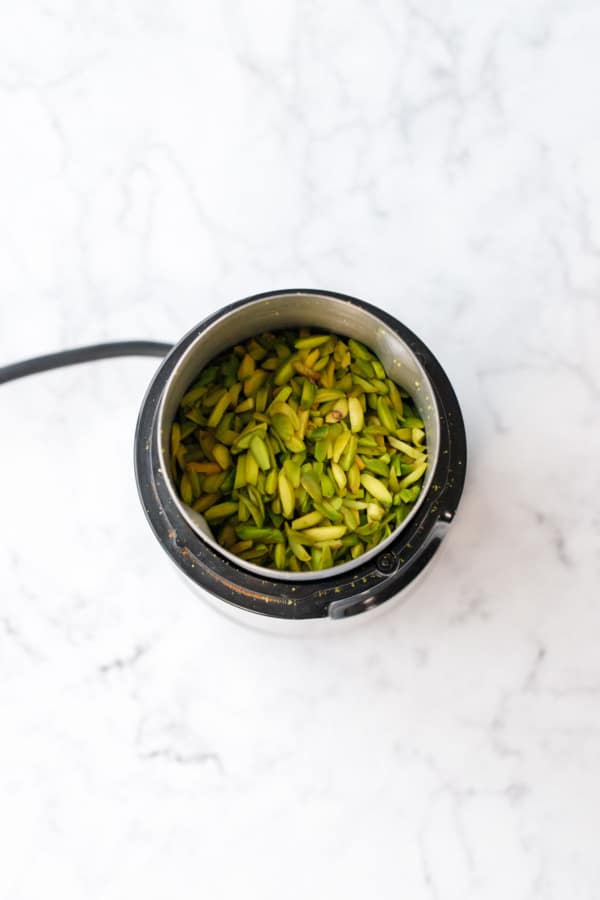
(298, 450)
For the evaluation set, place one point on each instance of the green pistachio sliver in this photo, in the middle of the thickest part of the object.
(185, 489)
(358, 350)
(325, 532)
(296, 445)
(363, 368)
(246, 367)
(256, 555)
(384, 414)
(326, 395)
(308, 394)
(286, 496)
(375, 512)
(253, 510)
(376, 488)
(367, 386)
(193, 395)
(351, 517)
(240, 472)
(309, 343)
(321, 450)
(316, 559)
(283, 426)
(394, 482)
(220, 511)
(307, 521)
(218, 410)
(245, 438)
(354, 504)
(410, 494)
(353, 479)
(320, 364)
(271, 482)
(279, 556)
(222, 455)
(253, 533)
(311, 486)
(317, 434)
(251, 473)
(284, 372)
(284, 409)
(355, 411)
(339, 475)
(349, 454)
(394, 395)
(262, 398)
(194, 481)
(378, 368)
(293, 472)
(340, 444)
(377, 467)
(245, 406)
(296, 546)
(327, 486)
(405, 448)
(260, 453)
(413, 476)
(254, 382)
(175, 438)
(240, 546)
(329, 511)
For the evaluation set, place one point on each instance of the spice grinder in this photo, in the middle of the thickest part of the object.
(341, 591)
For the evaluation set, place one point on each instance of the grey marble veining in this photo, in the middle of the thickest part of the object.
(441, 161)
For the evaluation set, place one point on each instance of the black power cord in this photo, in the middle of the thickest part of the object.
(81, 355)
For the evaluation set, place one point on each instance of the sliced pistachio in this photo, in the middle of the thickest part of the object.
(259, 451)
(296, 546)
(251, 469)
(325, 532)
(284, 372)
(385, 414)
(406, 448)
(246, 367)
(286, 495)
(311, 485)
(358, 350)
(339, 475)
(356, 414)
(315, 340)
(220, 511)
(307, 521)
(207, 468)
(205, 501)
(376, 488)
(222, 455)
(218, 410)
(252, 533)
(413, 476)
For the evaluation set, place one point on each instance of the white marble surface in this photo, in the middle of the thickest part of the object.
(443, 161)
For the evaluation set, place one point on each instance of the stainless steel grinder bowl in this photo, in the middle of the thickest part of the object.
(341, 590)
